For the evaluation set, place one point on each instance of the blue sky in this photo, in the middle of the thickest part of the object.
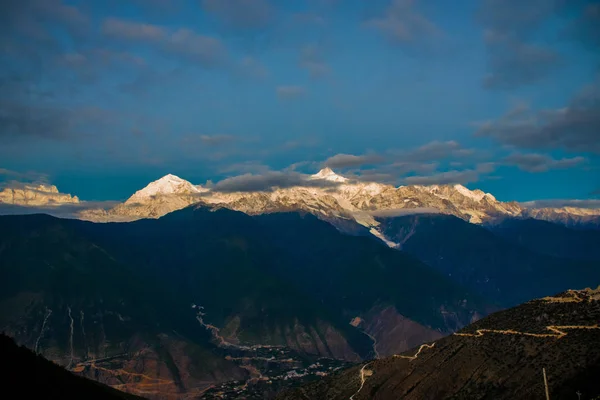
(100, 98)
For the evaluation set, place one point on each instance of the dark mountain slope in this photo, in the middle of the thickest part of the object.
(550, 238)
(67, 298)
(484, 262)
(213, 259)
(114, 301)
(33, 377)
(498, 357)
(343, 276)
(358, 270)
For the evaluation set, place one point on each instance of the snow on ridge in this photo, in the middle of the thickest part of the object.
(168, 184)
(380, 236)
(328, 174)
(474, 195)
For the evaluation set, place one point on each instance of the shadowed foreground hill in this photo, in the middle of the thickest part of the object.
(498, 357)
(34, 377)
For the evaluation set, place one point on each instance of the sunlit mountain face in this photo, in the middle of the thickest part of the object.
(267, 199)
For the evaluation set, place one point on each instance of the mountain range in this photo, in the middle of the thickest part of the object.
(350, 205)
(204, 292)
(155, 306)
(204, 295)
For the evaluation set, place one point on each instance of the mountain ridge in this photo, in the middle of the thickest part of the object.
(346, 202)
(352, 206)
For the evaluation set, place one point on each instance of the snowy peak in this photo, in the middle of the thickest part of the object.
(349, 202)
(475, 195)
(170, 178)
(329, 175)
(168, 184)
(449, 192)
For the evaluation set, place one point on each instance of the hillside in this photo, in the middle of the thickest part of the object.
(33, 377)
(343, 275)
(79, 306)
(182, 303)
(494, 265)
(499, 357)
(549, 238)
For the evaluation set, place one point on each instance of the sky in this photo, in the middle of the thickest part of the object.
(102, 97)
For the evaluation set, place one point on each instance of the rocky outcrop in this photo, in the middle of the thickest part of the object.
(36, 195)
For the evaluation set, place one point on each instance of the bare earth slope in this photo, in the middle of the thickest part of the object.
(498, 357)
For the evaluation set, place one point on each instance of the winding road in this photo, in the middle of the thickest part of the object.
(363, 374)
(362, 380)
(558, 331)
(411, 358)
(554, 331)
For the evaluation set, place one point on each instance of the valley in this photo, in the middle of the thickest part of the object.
(300, 200)
(159, 315)
(206, 301)
(149, 307)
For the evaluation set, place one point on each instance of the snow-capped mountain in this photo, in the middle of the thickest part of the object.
(568, 216)
(473, 206)
(36, 195)
(328, 175)
(160, 197)
(167, 185)
(350, 205)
